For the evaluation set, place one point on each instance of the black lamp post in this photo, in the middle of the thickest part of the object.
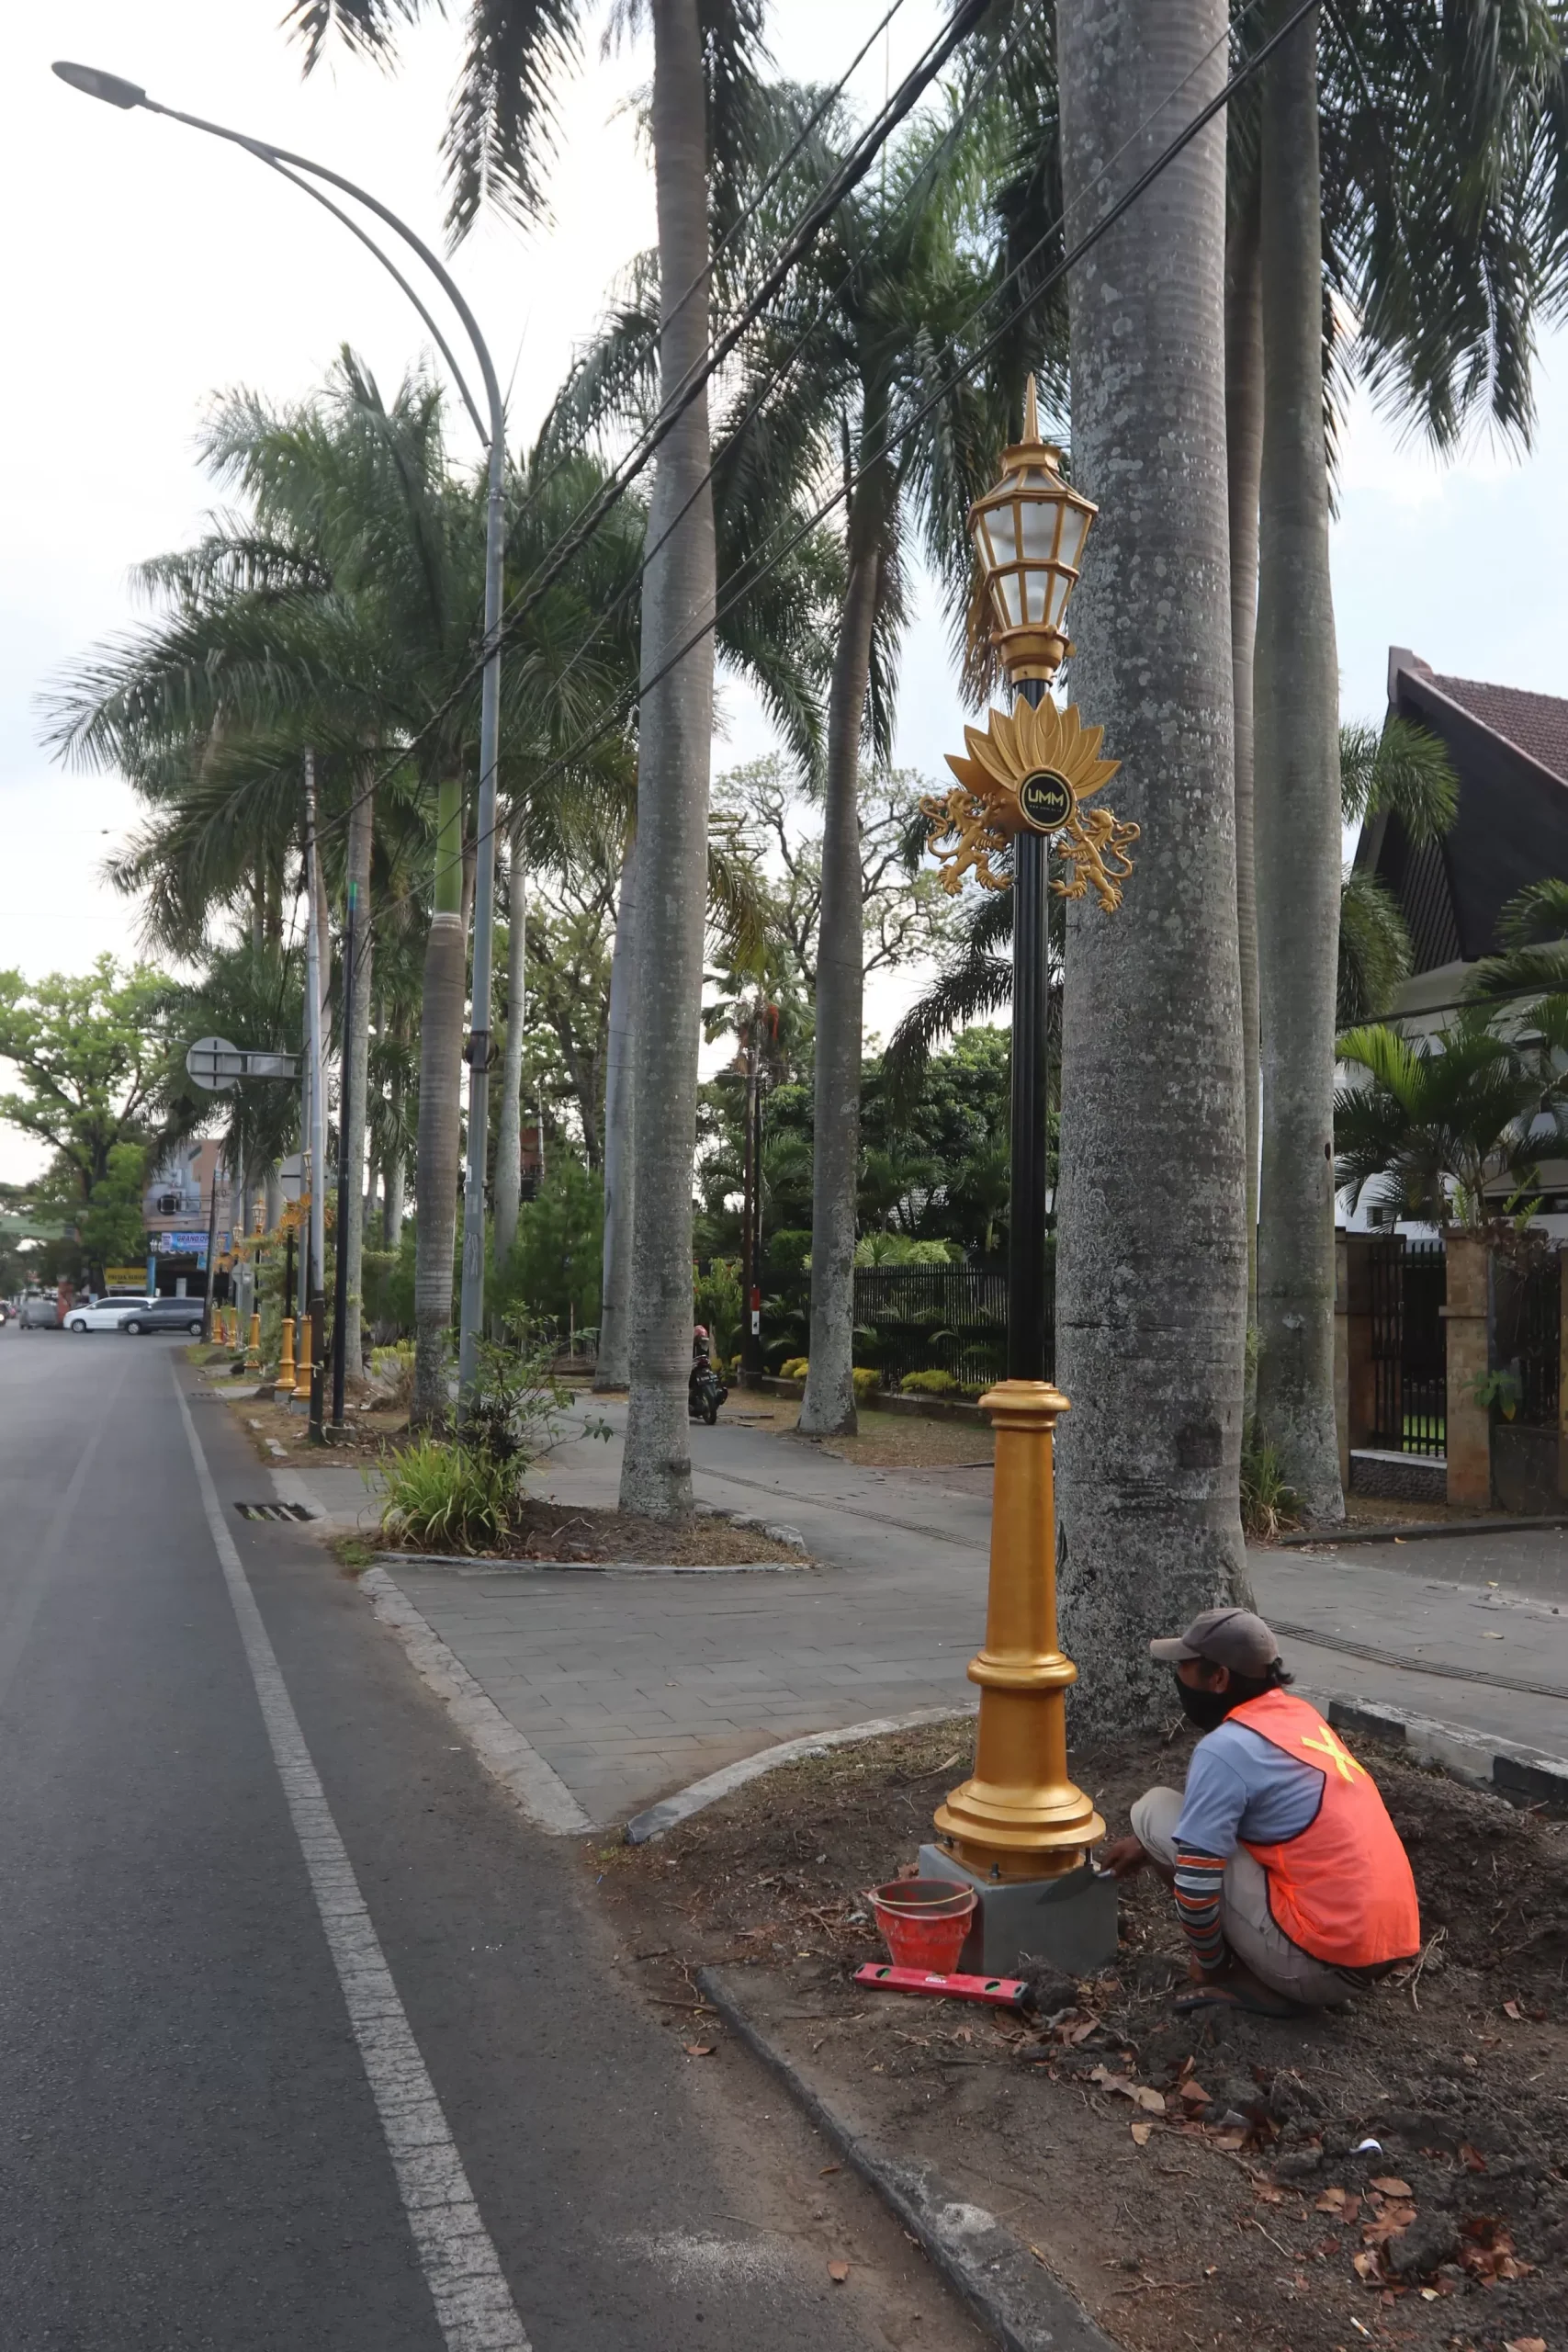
(1029, 535)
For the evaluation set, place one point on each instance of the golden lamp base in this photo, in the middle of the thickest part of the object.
(1019, 1816)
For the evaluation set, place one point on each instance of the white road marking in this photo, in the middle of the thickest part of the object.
(534, 1786)
(473, 2302)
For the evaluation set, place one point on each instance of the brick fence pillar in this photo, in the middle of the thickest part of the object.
(1469, 1440)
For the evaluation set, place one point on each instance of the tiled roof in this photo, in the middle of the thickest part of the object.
(1538, 724)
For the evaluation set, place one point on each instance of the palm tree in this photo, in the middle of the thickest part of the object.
(1531, 974)
(1436, 1119)
(1151, 1255)
(703, 74)
(1436, 219)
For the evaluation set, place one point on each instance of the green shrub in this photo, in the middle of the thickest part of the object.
(795, 1368)
(446, 1498)
(867, 1383)
(715, 1301)
(378, 1269)
(1269, 1501)
(929, 1384)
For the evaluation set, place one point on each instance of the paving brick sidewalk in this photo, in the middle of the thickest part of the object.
(631, 1687)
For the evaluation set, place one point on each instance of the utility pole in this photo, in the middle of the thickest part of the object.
(318, 1106)
(340, 1283)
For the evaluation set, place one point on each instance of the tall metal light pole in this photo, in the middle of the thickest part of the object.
(1018, 1828)
(117, 92)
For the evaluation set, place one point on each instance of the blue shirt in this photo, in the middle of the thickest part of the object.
(1240, 1786)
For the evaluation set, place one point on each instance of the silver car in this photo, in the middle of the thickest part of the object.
(40, 1311)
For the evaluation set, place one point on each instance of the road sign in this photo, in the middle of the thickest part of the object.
(291, 1176)
(215, 1065)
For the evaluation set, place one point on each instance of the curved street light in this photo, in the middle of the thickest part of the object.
(115, 91)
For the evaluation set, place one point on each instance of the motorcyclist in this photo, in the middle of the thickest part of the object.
(704, 1391)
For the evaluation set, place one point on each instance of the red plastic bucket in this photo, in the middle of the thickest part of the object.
(924, 1921)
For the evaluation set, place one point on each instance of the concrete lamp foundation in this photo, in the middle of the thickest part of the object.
(1068, 1920)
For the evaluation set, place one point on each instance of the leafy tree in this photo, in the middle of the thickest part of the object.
(1403, 770)
(113, 1230)
(1533, 961)
(89, 1053)
(552, 1270)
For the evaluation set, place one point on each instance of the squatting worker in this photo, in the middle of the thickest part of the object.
(1290, 1877)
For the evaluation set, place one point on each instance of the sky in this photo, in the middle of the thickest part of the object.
(146, 268)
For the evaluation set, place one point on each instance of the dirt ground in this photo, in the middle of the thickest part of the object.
(365, 1435)
(1194, 2182)
(885, 1441)
(546, 1530)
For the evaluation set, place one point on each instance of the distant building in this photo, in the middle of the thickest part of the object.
(178, 1207)
(1509, 750)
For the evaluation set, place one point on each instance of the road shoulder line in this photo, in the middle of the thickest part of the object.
(535, 1787)
(473, 2302)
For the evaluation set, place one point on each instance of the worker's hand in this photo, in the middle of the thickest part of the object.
(1124, 1859)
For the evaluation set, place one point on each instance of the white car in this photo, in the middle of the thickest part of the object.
(106, 1316)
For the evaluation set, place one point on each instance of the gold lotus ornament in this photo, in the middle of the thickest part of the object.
(1030, 770)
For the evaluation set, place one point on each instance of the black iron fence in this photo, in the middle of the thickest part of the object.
(936, 1319)
(1409, 1345)
(1527, 1308)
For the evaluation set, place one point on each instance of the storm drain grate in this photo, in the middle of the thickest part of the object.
(273, 1510)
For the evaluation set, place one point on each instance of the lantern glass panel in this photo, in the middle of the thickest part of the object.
(1060, 588)
(1010, 598)
(1037, 530)
(1074, 529)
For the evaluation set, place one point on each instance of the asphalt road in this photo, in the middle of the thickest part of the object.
(306, 2041)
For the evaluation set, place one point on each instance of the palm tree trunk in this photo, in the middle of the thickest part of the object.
(1297, 799)
(509, 1125)
(613, 1370)
(1152, 1258)
(1243, 446)
(440, 1114)
(828, 1408)
(357, 1058)
(675, 739)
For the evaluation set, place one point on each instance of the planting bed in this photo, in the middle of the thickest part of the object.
(1192, 2182)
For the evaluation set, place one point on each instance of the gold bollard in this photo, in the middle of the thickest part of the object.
(303, 1363)
(252, 1352)
(284, 1381)
(1019, 1816)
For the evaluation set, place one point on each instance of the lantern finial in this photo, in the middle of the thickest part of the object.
(1031, 412)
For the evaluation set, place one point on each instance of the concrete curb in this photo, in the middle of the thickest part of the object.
(479, 1564)
(535, 1787)
(1524, 1775)
(656, 1818)
(1008, 2289)
(1410, 1530)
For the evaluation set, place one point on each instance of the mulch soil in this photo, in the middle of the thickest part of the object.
(1193, 2181)
(543, 1530)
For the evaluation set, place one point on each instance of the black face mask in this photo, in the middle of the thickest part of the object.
(1207, 1709)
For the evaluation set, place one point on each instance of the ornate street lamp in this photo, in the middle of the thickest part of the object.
(1018, 1828)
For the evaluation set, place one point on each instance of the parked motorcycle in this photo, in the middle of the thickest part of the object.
(705, 1393)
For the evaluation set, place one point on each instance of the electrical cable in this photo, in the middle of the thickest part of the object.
(523, 597)
(749, 580)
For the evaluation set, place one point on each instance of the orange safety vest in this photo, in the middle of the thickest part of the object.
(1341, 1888)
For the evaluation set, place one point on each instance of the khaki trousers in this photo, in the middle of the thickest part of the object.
(1244, 1917)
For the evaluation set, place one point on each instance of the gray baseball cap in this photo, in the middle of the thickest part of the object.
(1232, 1637)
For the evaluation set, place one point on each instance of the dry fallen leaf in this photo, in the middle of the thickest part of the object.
(826, 2169)
(1142, 2133)
(1387, 2185)
(1365, 2265)
(1267, 2195)
(1511, 2010)
(1150, 2102)
(1193, 2093)
(1331, 2201)
(1227, 2140)
(1524, 2344)
(837, 2272)
(699, 2049)
(1472, 2158)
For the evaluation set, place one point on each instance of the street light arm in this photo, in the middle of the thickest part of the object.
(116, 91)
(390, 267)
